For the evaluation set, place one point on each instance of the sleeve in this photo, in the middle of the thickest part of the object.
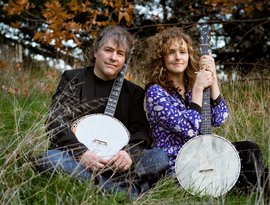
(219, 111)
(61, 114)
(161, 109)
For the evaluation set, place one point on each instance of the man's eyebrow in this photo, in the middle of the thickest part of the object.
(110, 47)
(120, 50)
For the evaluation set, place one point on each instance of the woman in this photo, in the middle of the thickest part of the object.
(176, 78)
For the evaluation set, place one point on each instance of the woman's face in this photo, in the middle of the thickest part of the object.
(176, 61)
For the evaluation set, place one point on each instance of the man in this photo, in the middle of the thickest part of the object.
(85, 91)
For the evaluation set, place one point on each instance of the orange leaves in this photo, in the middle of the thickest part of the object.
(72, 26)
(60, 25)
(259, 6)
(230, 6)
(38, 36)
(54, 13)
(66, 21)
(124, 10)
(16, 24)
(249, 10)
(17, 6)
(127, 14)
(79, 7)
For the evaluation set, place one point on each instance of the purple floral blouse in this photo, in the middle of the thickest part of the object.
(174, 120)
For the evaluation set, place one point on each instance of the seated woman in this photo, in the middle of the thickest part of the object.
(176, 79)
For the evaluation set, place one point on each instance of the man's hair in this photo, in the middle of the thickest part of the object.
(119, 35)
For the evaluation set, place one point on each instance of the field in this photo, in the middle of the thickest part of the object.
(24, 100)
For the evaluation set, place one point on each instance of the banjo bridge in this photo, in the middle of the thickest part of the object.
(206, 170)
(100, 142)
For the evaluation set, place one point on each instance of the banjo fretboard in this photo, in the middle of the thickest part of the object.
(206, 112)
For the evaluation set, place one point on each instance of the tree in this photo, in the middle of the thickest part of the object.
(243, 26)
(63, 26)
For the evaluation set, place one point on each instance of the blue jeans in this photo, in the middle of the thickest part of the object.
(152, 165)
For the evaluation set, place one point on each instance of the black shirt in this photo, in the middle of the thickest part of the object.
(102, 88)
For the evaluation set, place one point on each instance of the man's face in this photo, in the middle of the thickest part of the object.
(110, 58)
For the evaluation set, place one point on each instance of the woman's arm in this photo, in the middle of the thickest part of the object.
(172, 114)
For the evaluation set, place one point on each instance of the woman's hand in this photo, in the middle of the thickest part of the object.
(207, 63)
(204, 79)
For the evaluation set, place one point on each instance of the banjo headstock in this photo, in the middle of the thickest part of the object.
(204, 38)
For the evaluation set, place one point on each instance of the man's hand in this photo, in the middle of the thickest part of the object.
(121, 161)
(92, 161)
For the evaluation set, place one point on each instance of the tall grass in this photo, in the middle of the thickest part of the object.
(249, 103)
(24, 101)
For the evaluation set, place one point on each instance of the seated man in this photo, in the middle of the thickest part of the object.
(86, 91)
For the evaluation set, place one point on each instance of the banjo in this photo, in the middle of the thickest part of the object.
(103, 133)
(207, 165)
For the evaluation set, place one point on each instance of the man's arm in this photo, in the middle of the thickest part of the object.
(61, 114)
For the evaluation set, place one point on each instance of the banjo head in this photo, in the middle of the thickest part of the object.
(207, 165)
(102, 134)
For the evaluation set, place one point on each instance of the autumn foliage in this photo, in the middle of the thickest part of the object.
(61, 21)
(229, 6)
(62, 26)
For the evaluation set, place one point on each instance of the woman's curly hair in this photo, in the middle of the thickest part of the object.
(157, 47)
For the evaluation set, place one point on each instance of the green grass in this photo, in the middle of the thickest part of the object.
(249, 104)
(24, 100)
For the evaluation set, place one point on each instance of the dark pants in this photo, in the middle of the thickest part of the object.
(253, 172)
(152, 165)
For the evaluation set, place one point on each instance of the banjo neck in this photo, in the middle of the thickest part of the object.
(115, 93)
(116, 90)
(206, 127)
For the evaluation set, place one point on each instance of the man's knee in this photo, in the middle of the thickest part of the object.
(162, 159)
(154, 162)
(50, 160)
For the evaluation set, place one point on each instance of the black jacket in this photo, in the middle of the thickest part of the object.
(74, 98)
